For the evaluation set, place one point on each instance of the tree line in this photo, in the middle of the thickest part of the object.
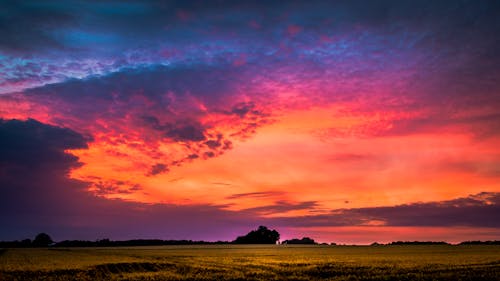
(261, 235)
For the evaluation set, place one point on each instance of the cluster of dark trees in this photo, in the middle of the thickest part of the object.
(41, 240)
(27, 243)
(494, 242)
(134, 242)
(261, 235)
(419, 243)
(304, 240)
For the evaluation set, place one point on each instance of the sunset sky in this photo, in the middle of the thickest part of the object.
(345, 121)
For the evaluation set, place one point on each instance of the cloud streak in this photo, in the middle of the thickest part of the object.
(479, 210)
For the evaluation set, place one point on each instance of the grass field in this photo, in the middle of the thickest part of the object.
(245, 262)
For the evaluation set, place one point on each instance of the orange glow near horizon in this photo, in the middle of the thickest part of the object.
(366, 235)
(303, 157)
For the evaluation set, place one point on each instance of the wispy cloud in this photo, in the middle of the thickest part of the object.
(255, 194)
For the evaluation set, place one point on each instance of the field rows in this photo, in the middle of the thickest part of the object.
(228, 262)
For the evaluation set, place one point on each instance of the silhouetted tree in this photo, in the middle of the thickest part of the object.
(42, 240)
(262, 235)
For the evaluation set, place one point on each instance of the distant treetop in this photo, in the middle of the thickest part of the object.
(304, 240)
(42, 240)
(261, 235)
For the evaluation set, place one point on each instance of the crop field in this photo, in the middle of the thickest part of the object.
(254, 262)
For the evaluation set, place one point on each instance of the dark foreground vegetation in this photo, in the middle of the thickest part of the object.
(254, 262)
(27, 243)
(261, 235)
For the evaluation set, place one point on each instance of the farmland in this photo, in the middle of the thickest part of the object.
(254, 262)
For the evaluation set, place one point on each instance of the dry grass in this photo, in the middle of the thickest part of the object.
(242, 262)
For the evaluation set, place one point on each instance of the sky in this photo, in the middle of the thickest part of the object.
(345, 121)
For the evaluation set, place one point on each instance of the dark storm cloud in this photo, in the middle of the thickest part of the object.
(33, 169)
(31, 143)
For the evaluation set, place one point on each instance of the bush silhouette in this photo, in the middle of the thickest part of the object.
(304, 240)
(262, 235)
(42, 240)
